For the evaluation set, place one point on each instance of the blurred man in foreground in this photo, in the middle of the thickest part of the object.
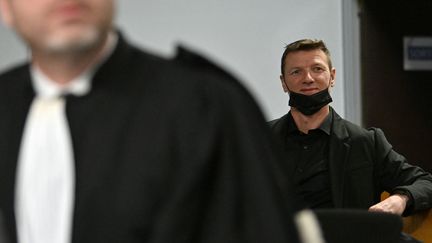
(101, 142)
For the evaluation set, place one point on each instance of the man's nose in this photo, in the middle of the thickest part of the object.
(308, 77)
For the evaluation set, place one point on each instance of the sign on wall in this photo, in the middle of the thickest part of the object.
(417, 53)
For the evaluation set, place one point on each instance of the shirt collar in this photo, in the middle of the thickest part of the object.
(79, 86)
(325, 125)
(46, 88)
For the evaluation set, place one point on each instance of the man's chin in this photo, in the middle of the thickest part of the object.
(72, 42)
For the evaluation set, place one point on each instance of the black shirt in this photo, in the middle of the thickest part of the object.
(310, 154)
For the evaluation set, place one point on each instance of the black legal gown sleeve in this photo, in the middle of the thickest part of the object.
(234, 193)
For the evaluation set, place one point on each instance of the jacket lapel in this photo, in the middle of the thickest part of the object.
(338, 155)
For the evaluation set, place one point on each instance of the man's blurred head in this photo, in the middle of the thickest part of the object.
(59, 26)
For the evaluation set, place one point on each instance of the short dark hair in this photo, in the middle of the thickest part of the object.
(305, 45)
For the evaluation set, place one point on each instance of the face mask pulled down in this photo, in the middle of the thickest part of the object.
(309, 104)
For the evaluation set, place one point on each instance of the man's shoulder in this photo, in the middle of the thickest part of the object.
(355, 131)
(275, 123)
(13, 76)
(189, 58)
(187, 66)
(14, 71)
(189, 77)
(206, 71)
(279, 125)
(208, 76)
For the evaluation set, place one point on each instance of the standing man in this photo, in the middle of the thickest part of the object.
(334, 163)
(101, 142)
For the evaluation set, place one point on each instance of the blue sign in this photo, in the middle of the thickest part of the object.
(420, 52)
(417, 53)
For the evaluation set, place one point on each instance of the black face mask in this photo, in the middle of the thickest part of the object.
(309, 104)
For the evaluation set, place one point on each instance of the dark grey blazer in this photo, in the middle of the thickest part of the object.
(363, 164)
(165, 151)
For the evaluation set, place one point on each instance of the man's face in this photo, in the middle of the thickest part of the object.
(59, 25)
(307, 72)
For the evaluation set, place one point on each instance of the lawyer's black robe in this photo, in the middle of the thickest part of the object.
(165, 151)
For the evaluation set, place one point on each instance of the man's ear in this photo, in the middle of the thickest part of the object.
(5, 12)
(332, 77)
(284, 86)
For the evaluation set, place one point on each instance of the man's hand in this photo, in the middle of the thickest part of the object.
(395, 204)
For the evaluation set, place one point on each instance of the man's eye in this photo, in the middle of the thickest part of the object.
(318, 69)
(294, 72)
